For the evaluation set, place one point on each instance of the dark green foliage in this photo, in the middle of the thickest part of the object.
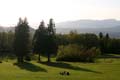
(62, 39)
(6, 43)
(105, 44)
(75, 47)
(87, 40)
(22, 40)
(100, 35)
(10, 40)
(107, 36)
(44, 40)
(114, 46)
(3, 41)
(73, 52)
(40, 40)
(51, 41)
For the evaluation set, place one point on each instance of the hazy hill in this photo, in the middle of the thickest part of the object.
(110, 26)
(108, 23)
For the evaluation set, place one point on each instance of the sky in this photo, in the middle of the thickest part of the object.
(59, 10)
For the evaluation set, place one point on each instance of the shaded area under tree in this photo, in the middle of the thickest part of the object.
(68, 66)
(30, 67)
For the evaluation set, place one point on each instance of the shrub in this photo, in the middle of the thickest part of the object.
(74, 52)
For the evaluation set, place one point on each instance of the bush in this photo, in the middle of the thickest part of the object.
(74, 52)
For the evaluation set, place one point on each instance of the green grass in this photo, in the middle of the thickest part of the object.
(104, 69)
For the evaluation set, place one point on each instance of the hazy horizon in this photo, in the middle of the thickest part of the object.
(59, 10)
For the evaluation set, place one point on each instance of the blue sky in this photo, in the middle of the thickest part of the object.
(59, 10)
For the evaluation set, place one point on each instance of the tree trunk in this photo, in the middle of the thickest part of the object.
(49, 58)
(39, 60)
(20, 59)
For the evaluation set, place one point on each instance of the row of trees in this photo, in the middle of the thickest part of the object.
(21, 40)
(45, 41)
(88, 40)
(85, 47)
(6, 43)
(109, 45)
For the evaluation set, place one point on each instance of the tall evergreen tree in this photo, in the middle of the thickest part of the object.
(39, 40)
(100, 35)
(51, 43)
(101, 42)
(21, 40)
(44, 41)
(10, 39)
(106, 43)
(107, 36)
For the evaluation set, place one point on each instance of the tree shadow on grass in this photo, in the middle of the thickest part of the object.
(109, 56)
(30, 67)
(68, 66)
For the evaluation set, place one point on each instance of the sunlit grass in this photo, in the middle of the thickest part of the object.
(108, 69)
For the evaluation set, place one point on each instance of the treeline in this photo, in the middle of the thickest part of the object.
(6, 44)
(103, 42)
(66, 47)
(85, 47)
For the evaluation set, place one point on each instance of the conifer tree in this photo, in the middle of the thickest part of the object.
(21, 40)
(52, 47)
(39, 40)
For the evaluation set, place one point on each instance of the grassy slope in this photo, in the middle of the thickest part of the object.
(105, 70)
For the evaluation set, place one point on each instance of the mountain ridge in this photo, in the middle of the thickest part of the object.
(87, 23)
(111, 26)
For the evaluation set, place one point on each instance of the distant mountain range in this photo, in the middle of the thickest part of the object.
(107, 23)
(110, 26)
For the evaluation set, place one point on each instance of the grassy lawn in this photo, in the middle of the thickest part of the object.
(103, 69)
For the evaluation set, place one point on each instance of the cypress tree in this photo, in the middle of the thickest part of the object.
(52, 47)
(21, 40)
(39, 40)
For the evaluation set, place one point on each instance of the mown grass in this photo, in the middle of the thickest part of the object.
(103, 69)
